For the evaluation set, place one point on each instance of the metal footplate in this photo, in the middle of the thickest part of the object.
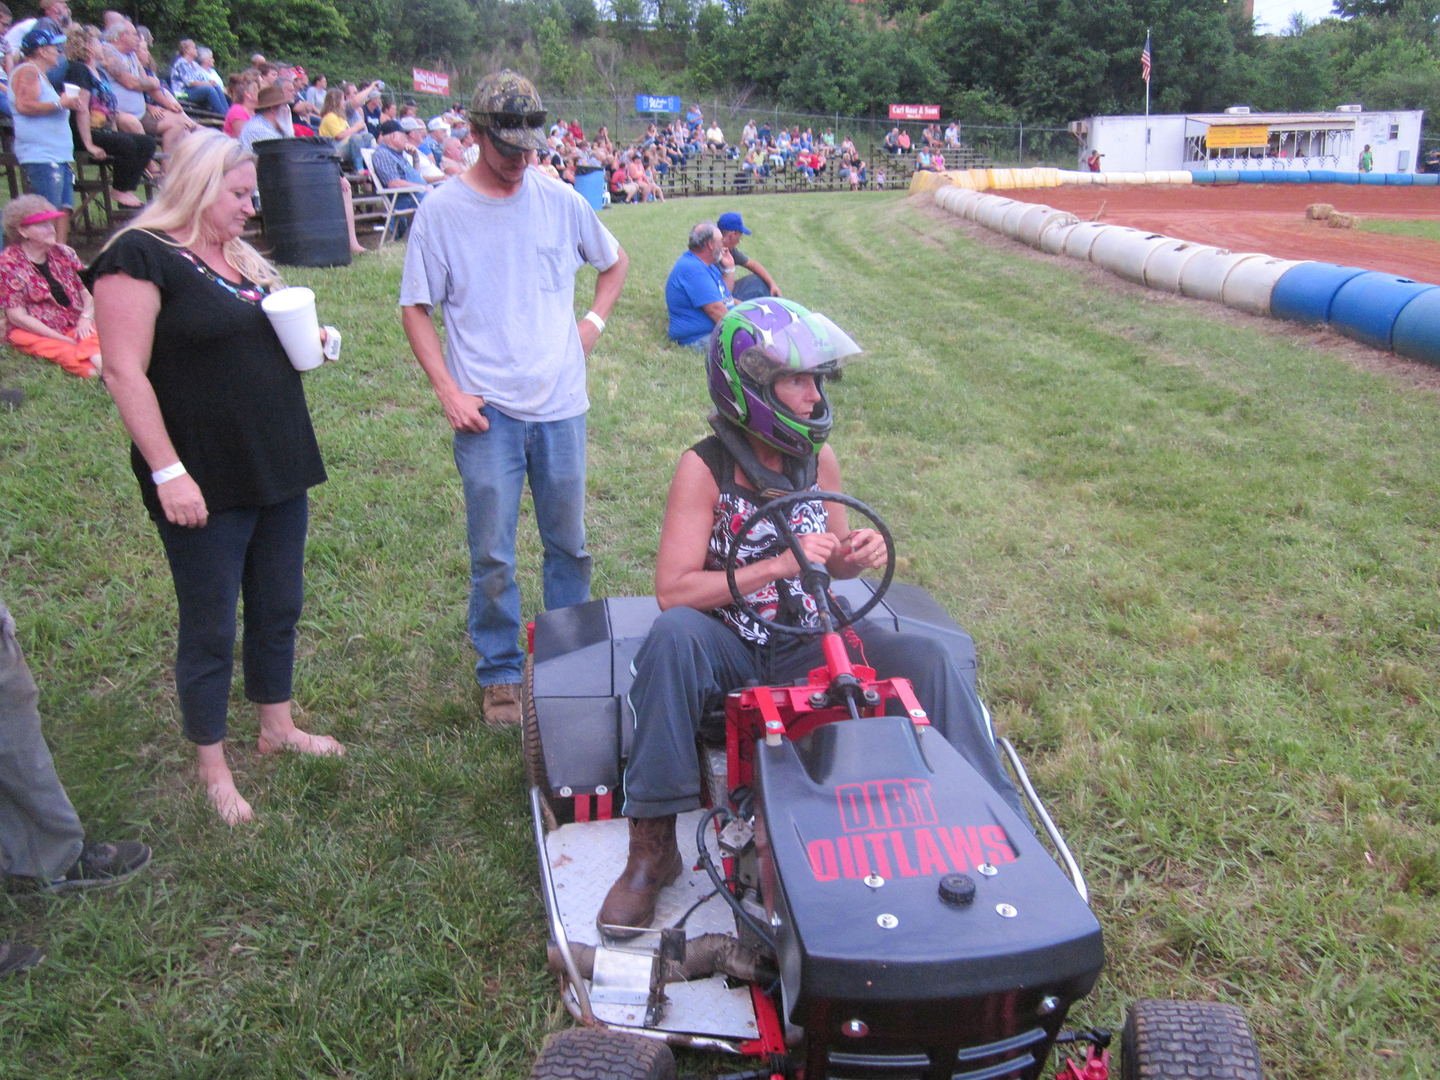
(581, 862)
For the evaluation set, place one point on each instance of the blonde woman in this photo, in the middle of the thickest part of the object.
(222, 445)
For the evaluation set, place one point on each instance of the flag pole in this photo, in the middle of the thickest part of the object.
(1146, 73)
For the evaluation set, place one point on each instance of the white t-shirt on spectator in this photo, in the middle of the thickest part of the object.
(502, 272)
(16, 34)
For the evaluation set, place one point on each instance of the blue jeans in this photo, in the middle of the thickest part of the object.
(208, 97)
(53, 182)
(493, 467)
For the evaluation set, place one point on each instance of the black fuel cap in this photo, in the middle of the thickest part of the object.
(957, 889)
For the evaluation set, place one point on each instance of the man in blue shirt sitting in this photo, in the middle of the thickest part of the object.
(695, 292)
(393, 168)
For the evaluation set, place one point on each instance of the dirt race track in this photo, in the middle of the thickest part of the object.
(1267, 218)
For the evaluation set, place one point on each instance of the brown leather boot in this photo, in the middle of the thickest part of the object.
(654, 863)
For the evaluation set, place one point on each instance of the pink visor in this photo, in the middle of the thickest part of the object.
(43, 215)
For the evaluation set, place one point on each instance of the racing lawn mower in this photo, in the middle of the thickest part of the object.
(878, 912)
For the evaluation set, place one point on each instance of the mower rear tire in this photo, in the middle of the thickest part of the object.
(602, 1054)
(1187, 1040)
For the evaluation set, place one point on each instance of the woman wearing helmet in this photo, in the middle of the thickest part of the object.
(769, 359)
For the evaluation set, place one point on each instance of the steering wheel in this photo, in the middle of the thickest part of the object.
(813, 579)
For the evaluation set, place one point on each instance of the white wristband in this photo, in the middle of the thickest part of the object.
(591, 317)
(170, 472)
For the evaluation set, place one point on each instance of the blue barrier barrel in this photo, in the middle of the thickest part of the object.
(1322, 176)
(1298, 176)
(1417, 328)
(590, 183)
(1251, 176)
(1366, 306)
(1426, 179)
(1203, 177)
(1343, 177)
(1225, 176)
(1399, 179)
(1274, 176)
(1304, 294)
(1374, 179)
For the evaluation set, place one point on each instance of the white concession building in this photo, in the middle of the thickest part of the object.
(1241, 139)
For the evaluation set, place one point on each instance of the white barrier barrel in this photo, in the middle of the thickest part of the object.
(993, 212)
(1124, 253)
(1203, 277)
(1010, 220)
(1052, 239)
(983, 199)
(962, 198)
(1082, 237)
(1033, 226)
(1249, 285)
(945, 198)
(1163, 268)
(1182, 176)
(1157, 177)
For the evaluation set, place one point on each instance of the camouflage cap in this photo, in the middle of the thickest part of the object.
(506, 105)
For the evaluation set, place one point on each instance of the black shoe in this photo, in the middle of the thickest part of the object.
(12, 399)
(16, 957)
(103, 864)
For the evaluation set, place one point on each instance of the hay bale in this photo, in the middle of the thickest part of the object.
(1338, 220)
(1319, 211)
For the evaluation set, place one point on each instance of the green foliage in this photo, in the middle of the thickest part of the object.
(560, 60)
(265, 25)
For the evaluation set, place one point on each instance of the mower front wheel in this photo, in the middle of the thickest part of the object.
(602, 1054)
(1187, 1040)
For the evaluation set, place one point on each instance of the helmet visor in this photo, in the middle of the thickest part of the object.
(808, 343)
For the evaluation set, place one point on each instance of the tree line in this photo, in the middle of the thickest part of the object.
(1036, 62)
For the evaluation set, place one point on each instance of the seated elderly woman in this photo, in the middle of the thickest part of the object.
(767, 366)
(49, 312)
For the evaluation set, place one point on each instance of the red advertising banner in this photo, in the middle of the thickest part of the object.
(913, 112)
(437, 82)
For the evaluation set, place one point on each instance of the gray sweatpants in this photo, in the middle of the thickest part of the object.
(40, 833)
(690, 661)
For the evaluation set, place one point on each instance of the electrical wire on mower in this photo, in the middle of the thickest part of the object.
(760, 930)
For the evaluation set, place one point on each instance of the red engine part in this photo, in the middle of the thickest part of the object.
(1096, 1067)
(791, 711)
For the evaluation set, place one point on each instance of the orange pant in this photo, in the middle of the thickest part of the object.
(73, 356)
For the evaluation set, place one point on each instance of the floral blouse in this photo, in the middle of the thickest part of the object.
(22, 286)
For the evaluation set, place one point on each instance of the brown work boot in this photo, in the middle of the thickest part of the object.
(502, 705)
(654, 863)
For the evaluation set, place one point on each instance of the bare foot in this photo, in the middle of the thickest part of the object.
(220, 785)
(228, 803)
(358, 249)
(302, 742)
(127, 199)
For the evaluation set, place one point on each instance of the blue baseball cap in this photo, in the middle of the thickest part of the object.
(732, 222)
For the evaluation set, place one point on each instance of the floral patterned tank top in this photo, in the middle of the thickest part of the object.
(781, 601)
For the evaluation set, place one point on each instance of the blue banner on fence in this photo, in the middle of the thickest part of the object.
(647, 103)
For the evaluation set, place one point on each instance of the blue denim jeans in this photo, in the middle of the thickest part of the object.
(54, 182)
(493, 467)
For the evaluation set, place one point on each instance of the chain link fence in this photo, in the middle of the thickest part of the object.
(1007, 146)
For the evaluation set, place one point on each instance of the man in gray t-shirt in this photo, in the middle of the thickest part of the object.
(496, 248)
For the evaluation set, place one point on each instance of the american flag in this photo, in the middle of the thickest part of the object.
(1145, 59)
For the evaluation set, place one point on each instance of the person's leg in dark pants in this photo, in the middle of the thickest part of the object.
(688, 661)
(128, 155)
(261, 550)
(953, 708)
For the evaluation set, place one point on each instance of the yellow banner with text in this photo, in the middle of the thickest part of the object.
(1219, 137)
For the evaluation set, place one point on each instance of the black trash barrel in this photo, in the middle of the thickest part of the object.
(301, 199)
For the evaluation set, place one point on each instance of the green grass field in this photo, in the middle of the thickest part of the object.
(1421, 229)
(1198, 558)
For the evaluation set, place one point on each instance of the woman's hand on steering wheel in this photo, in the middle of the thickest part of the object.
(819, 548)
(864, 549)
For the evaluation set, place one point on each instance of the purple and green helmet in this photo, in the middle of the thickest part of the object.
(763, 340)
